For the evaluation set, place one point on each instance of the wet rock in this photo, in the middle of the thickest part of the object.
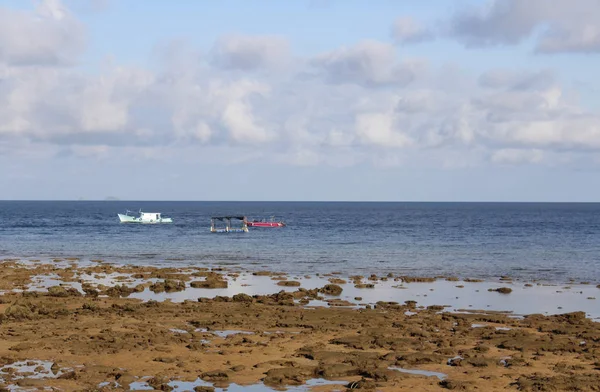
(435, 308)
(364, 286)
(502, 290)
(288, 283)
(220, 298)
(174, 285)
(420, 359)
(288, 376)
(204, 389)
(238, 368)
(456, 385)
(125, 378)
(195, 346)
(331, 289)
(302, 293)
(411, 304)
(39, 384)
(479, 361)
(363, 384)
(339, 302)
(242, 298)
(168, 286)
(118, 291)
(262, 273)
(418, 279)
(563, 367)
(160, 383)
(215, 375)
(209, 284)
(59, 291)
(72, 375)
(356, 342)
(356, 278)
(20, 311)
(482, 348)
(165, 359)
(575, 382)
(337, 370)
(389, 305)
(382, 374)
(337, 281)
(89, 290)
(569, 318)
(90, 306)
(280, 298)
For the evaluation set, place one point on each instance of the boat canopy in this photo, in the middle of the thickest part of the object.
(222, 218)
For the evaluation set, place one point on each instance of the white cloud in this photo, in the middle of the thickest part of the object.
(517, 80)
(48, 36)
(406, 31)
(379, 129)
(562, 26)
(583, 38)
(362, 104)
(368, 63)
(247, 53)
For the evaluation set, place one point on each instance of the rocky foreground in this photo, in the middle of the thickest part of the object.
(97, 339)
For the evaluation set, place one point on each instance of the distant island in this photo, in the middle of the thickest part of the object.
(111, 198)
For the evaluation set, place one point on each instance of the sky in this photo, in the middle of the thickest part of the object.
(310, 100)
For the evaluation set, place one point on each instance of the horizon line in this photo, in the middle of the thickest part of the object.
(307, 201)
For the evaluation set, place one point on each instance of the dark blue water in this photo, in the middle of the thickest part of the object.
(553, 242)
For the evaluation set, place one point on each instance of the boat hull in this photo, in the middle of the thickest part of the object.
(229, 230)
(132, 219)
(266, 224)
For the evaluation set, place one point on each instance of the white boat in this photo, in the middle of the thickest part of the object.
(145, 217)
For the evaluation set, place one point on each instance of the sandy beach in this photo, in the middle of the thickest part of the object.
(95, 326)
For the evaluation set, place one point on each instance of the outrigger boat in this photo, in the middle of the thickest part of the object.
(145, 217)
(266, 223)
(227, 221)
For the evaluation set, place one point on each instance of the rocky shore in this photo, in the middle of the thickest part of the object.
(101, 327)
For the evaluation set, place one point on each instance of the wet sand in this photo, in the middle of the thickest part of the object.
(80, 326)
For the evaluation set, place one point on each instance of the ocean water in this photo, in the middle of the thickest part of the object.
(552, 242)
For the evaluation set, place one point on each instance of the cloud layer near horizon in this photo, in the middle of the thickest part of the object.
(368, 101)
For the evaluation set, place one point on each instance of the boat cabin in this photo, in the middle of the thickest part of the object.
(222, 224)
(145, 217)
(150, 216)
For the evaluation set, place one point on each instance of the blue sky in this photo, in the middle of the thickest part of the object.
(473, 100)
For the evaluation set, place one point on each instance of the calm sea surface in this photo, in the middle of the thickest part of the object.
(552, 242)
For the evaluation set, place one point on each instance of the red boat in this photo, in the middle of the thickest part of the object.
(266, 223)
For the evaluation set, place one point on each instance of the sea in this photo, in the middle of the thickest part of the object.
(551, 242)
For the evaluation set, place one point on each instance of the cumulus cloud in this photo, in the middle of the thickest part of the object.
(379, 129)
(517, 80)
(360, 103)
(563, 26)
(240, 52)
(368, 63)
(48, 36)
(406, 30)
(567, 38)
